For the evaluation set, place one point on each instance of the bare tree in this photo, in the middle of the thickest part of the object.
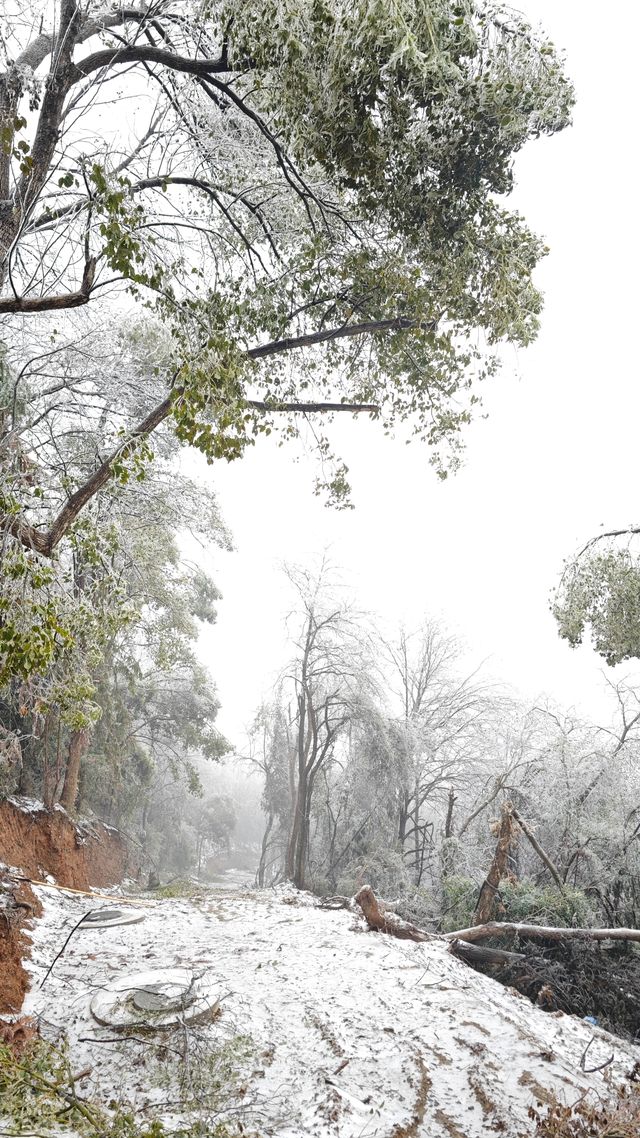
(328, 682)
(437, 736)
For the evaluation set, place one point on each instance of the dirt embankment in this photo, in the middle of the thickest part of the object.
(18, 903)
(39, 843)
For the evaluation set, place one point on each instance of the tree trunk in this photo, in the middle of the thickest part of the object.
(26, 782)
(78, 745)
(403, 818)
(448, 825)
(540, 932)
(487, 898)
(294, 866)
(384, 921)
(474, 954)
(262, 865)
(415, 830)
(296, 848)
(302, 854)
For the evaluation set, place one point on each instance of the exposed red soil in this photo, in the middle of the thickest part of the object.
(38, 842)
(18, 903)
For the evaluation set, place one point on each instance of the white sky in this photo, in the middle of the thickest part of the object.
(556, 459)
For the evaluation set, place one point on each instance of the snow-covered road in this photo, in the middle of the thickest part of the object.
(325, 1028)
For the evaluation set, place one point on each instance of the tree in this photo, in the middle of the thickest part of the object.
(328, 682)
(272, 753)
(583, 802)
(214, 823)
(298, 738)
(600, 589)
(435, 736)
(312, 206)
(122, 689)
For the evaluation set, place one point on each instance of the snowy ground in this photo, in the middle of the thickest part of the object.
(325, 1028)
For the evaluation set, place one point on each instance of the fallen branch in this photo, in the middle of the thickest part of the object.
(542, 854)
(115, 900)
(336, 902)
(600, 1067)
(510, 928)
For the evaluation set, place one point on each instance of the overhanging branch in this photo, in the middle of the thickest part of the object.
(312, 408)
(629, 531)
(147, 54)
(367, 328)
(45, 541)
(27, 304)
(42, 46)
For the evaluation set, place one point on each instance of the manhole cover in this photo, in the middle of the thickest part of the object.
(110, 918)
(163, 998)
(158, 999)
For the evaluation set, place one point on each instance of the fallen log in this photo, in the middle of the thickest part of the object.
(544, 932)
(383, 920)
(477, 955)
(461, 941)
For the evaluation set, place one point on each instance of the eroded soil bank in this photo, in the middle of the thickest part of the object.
(18, 905)
(40, 844)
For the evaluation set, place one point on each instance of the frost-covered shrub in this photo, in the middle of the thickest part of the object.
(210, 1089)
(519, 901)
(420, 906)
(459, 895)
(523, 901)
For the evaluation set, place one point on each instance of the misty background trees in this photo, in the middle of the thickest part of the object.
(386, 761)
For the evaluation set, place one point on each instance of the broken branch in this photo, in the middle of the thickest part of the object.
(542, 854)
(383, 920)
(485, 904)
